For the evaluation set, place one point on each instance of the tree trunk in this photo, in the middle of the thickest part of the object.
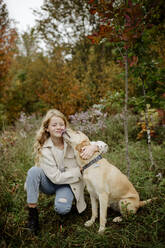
(148, 130)
(126, 114)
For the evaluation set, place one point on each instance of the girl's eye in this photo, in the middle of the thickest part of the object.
(61, 125)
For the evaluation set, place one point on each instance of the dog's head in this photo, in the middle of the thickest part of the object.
(77, 140)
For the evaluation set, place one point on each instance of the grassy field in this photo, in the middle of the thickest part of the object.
(145, 229)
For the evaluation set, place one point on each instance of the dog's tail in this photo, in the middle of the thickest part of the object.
(142, 203)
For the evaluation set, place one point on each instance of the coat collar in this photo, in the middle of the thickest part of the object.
(48, 143)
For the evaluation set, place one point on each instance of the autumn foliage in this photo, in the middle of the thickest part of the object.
(74, 76)
(7, 44)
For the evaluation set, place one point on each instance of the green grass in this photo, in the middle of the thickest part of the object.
(145, 229)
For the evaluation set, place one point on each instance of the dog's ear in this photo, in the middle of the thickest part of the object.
(81, 145)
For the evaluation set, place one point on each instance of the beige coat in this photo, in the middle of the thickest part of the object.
(67, 172)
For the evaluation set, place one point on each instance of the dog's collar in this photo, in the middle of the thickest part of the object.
(91, 162)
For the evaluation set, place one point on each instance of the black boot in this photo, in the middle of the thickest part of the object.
(33, 224)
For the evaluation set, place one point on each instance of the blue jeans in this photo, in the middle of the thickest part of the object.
(37, 181)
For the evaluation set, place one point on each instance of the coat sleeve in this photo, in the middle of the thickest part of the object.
(103, 147)
(48, 164)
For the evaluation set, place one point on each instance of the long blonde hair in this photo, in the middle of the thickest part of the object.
(43, 134)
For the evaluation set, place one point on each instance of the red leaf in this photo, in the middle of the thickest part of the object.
(130, 3)
(128, 19)
(91, 1)
(94, 39)
(120, 63)
(134, 61)
(93, 11)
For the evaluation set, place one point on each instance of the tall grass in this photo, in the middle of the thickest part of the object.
(145, 229)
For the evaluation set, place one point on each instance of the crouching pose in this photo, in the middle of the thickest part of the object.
(56, 170)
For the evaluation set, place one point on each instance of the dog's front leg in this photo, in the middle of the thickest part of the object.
(103, 200)
(94, 204)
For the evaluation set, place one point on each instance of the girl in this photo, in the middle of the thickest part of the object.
(56, 170)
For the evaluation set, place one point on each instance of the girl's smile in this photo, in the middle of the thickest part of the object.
(56, 127)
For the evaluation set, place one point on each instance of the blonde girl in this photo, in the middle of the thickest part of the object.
(56, 170)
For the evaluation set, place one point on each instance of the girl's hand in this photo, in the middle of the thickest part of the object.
(88, 151)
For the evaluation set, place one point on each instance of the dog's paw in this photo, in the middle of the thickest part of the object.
(101, 230)
(117, 219)
(89, 223)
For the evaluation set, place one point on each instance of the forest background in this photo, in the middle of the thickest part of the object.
(72, 73)
(82, 72)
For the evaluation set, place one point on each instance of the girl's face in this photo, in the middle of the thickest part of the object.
(55, 127)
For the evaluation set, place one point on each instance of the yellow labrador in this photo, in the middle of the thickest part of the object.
(105, 183)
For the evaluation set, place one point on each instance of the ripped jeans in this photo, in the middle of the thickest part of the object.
(37, 181)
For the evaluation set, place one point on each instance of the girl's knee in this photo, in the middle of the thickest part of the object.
(62, 206)
(34, 171)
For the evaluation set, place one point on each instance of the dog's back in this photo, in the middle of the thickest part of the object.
(105, 177)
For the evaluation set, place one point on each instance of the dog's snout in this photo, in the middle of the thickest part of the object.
(68, 135)
(65, 132)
